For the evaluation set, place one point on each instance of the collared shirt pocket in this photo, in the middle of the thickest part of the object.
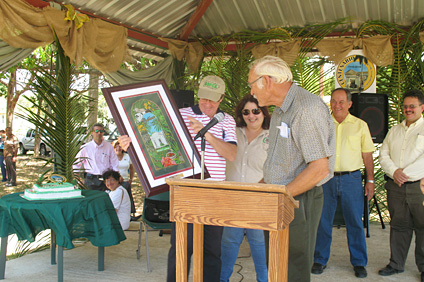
(353, 143)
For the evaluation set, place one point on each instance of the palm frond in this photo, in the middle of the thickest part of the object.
(24, 247)
(314, 75)
(62, 117)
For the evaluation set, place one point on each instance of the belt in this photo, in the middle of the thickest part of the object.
(93, 176)
(411, 182)
(408, 182)
(340, 173)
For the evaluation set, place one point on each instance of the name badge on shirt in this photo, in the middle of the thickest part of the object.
(284, 130)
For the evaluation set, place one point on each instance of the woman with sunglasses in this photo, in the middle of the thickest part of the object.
(252, 143)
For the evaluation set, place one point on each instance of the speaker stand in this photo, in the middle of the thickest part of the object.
(367, 209)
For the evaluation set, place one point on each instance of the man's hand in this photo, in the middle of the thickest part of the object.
(124, 142)
(195, 125)
(369, 190)
(14, 159)
(399, 177)
(226, 150)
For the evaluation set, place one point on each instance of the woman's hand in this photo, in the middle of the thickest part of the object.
(124, 141)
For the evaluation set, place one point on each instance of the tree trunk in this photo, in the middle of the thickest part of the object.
(11, 101)
(37, 131)
(94, 97)
(13, 97)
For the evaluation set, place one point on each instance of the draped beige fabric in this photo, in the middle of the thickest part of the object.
(287, 51)
(163, 70)
(192, 52)
(378, 48)
(103, 45)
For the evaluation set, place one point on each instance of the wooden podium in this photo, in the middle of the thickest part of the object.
(234, 204)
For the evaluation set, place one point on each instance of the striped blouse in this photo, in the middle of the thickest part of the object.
(224, 130)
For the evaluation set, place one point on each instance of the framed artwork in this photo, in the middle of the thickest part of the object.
(161, 145)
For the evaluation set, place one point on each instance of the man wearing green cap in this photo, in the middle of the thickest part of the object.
(220, 146)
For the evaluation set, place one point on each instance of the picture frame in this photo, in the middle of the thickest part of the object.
(161, 145)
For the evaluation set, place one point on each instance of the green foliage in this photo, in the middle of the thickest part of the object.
(40, 180)
(61, 120)
(3, 90)
(314, 75)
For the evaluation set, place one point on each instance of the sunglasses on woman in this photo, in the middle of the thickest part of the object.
(246, 112)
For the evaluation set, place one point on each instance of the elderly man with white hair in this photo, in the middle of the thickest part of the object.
(301, 153)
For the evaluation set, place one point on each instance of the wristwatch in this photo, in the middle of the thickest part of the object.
(370, 181)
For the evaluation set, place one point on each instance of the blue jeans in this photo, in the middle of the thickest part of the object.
(3, 168)
(230, 245)
(349, 188)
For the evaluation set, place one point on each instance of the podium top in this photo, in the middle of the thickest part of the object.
(232, 185)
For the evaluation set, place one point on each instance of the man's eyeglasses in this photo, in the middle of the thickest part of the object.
(98, 130)
(251, 83)
(246, 112)
(411, 106)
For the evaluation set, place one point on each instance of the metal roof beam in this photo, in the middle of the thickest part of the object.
(194, 19)
(39, 3)
(134, 48)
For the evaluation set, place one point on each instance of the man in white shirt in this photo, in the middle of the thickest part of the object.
(96, 157)
(402, 159)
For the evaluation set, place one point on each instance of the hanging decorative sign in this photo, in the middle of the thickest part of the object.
(356, 73)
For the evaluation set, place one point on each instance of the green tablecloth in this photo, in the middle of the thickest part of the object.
(92, 216)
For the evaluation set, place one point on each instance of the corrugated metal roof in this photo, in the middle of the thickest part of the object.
(166, 18)
(230, 16)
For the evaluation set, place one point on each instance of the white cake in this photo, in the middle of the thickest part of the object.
(52, 191)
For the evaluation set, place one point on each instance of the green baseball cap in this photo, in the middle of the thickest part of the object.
(212, 88)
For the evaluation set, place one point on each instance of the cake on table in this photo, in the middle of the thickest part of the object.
(52, 191)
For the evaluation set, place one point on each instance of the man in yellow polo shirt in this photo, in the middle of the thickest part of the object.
(354, 147)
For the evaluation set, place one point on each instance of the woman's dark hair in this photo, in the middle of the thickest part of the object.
(109, 173)
(239, 116)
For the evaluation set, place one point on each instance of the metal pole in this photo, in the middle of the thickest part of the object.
(60, 263)
(203, 147)
(3, 251)
(52, 247)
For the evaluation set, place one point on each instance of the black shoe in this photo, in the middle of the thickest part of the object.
(388, 270)
(360, 271)
(318, 268)
(135, 218)
(422, 276)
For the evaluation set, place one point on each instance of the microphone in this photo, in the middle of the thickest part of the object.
(216, 118)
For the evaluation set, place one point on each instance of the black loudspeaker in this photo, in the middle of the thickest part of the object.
(374, 110)
(183, 98)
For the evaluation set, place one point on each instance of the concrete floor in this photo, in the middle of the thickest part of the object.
(80, 263)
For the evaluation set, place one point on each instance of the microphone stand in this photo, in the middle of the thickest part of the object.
(202, 155)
